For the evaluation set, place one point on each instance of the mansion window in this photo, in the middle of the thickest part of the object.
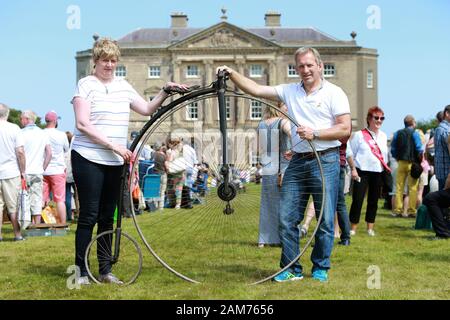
(121, 72)
(192, 71)
(255, 110)
(329, 70)
(256, 70)
(192, 111)
(291, 71)
(370, 79)
(154, 72)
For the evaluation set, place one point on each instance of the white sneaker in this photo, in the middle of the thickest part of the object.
(83, 281)
(352, 232)
(109, 278)
(303, 232)
(371, 233)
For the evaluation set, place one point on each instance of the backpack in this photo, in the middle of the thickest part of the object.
(404, 145)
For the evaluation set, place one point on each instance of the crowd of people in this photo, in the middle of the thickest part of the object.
(34, 159)
(50, 162)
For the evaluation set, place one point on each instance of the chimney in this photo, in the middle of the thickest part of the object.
(179, 20)
(273, 19)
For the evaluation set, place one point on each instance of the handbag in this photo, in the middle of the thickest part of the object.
(178, 165)
(416, 170)
(24, 213)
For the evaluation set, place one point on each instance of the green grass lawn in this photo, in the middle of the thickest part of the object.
(220, 252)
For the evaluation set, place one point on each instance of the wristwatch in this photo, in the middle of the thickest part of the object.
(316, 134)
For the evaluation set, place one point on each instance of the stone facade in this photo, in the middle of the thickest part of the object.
(151, 57)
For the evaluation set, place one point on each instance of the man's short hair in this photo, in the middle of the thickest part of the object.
(4, 111)
(409, 120)
(304, 50)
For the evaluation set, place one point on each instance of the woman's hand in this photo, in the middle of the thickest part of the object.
(126, 154)
(355, 175)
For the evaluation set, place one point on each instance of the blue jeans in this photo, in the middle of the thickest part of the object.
(341, 208)
(302, 179)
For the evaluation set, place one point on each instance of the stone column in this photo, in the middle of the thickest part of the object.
(242, 109)
(177, 118)
(273, 76)
(208, 104)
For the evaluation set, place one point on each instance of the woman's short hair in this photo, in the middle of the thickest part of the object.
(372, 111)
(105, 48)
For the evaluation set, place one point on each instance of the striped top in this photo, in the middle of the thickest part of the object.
(110, 112)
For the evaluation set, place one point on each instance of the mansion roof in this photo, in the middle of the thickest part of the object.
(278, 36)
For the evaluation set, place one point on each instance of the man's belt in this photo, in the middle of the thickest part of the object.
(307, 155)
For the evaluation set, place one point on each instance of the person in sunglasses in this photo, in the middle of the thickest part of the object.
(369, 152)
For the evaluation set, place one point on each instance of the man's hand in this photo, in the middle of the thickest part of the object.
(305, 133)
(288, 155)
(226, 69)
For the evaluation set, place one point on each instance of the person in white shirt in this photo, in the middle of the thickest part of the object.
(190, 156)
(323, 113)
(369, 152)
(38, 153)
(12, 169)
(102, 104)
(55, 174)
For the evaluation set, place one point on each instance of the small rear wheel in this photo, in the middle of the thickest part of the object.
(100, 259)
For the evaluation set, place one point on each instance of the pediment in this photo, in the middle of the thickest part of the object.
(222, 36)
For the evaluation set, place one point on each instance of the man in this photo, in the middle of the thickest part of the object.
(442, 148)
(55, 174)
(190, 156)
(406, 147)
(437, 204)
(323, 114)
(38, 153)
(12, 169)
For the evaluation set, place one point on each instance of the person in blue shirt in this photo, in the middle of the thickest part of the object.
(441, 148)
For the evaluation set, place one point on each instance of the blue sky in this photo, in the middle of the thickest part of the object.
(412, 39)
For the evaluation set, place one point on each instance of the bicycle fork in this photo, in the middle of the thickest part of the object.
(226, 190)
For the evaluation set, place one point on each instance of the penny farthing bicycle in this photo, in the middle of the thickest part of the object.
(215, 240)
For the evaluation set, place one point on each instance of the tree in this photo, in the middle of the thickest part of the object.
(424, 125)
(14, 117)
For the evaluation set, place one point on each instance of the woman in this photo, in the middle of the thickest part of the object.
(369, 153)
(160, 158)
(102, 105)
(175, 172)
(274, 144)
